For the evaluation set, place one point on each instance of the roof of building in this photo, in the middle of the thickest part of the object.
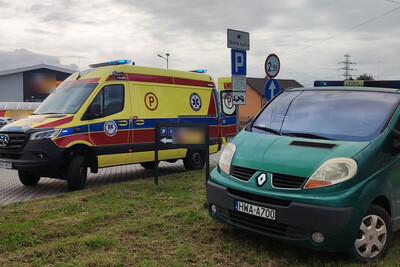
(35, 67)
(258, 84)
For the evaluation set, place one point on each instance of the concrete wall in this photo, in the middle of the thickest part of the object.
(12, 88)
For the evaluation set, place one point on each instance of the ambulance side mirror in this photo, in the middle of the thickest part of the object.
(94, 111)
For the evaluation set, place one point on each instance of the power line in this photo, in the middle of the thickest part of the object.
(349, 29)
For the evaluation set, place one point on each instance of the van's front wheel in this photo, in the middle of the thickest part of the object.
(194, 160)
(374, 236)
(77, 173)
(27, 178)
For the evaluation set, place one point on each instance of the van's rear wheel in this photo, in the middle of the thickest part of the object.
(374, 236)
(148, 165)
(77, 173)
(27, 178)
(194, 160)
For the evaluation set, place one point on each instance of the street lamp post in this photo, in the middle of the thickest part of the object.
(167, 54)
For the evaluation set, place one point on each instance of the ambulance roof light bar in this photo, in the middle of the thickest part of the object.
(374, 83)
(111, 63)
(199, 71)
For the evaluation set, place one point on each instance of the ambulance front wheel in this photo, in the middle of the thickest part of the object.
(27, 178)
(77, 173)
(194, 160)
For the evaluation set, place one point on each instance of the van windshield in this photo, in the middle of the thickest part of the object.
(67, 99)
(332, 115)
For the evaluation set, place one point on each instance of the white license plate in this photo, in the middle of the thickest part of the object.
(5, 165)
(255, 210)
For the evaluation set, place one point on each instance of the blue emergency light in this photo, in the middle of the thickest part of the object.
(199, 71)
(110, 63)
(383, 84)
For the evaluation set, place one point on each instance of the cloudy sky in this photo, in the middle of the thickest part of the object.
(309, 36)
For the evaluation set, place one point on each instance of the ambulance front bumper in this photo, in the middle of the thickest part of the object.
(39, 156)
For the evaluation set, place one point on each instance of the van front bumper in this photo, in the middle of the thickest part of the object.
(295, 222)
(40, 156)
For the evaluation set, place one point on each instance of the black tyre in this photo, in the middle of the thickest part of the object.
(374, 237)
(27, 178)
(194, 160)
(77, 173)
(148, 165)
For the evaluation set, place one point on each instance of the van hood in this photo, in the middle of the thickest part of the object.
(37, 122)
(288, 155)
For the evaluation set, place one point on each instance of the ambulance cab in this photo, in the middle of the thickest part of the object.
(105, 116)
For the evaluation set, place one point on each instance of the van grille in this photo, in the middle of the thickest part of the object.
(242, 173)
(16, 141)
(259, 198)
(266, 226)
(287, 181)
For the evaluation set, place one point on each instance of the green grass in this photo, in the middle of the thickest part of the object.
(140, 224)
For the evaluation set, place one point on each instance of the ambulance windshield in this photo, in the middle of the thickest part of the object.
(330, 115)
(67, 99)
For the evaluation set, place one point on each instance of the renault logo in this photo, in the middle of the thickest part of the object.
(261, 179)
(4, 139)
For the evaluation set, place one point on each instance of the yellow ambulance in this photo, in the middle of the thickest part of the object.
(106, 116)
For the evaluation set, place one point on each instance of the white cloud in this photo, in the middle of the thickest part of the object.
(194, 33)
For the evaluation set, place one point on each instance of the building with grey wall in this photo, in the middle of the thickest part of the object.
(31, 84)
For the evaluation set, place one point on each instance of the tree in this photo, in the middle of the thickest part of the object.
(365, 77)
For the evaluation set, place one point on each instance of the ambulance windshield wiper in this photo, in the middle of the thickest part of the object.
(307, 135)
(267, 129)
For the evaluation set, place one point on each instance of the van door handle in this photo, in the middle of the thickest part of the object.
(123, 123)
(139, 122)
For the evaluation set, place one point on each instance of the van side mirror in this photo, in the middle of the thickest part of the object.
(94, 111)
(396, 142)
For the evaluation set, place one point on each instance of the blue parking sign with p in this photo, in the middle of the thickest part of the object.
(238, 59)
(163, 131)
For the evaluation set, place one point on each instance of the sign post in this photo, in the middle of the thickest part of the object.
(272, 67)
(239, 42)
(181, 135)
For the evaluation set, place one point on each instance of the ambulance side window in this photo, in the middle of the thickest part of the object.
(110, 99)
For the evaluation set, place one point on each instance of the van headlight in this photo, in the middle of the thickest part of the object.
(333, 171)
(44, 134)
(226, 157)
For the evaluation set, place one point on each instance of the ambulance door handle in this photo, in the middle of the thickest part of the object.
(139, 122)
(123, 123)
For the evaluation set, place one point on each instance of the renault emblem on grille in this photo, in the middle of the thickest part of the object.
(261, 179)
(4, 139)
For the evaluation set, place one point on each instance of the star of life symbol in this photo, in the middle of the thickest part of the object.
(195, 101)
(261, 179)
(4, 139)
(110, 128)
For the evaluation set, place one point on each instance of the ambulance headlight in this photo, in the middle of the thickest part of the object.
(333, 171)
(226, 157)
(44, 134)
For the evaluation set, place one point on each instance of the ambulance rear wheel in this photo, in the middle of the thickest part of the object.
(27, 178)
(194, 160)
(148, 165)
(77, 173)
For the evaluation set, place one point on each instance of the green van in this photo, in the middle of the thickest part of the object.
(317, 167)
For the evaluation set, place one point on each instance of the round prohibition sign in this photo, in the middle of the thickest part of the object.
(272, 66)
(228, 101)
(151, 101)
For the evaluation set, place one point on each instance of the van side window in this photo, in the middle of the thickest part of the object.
(110, 99)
